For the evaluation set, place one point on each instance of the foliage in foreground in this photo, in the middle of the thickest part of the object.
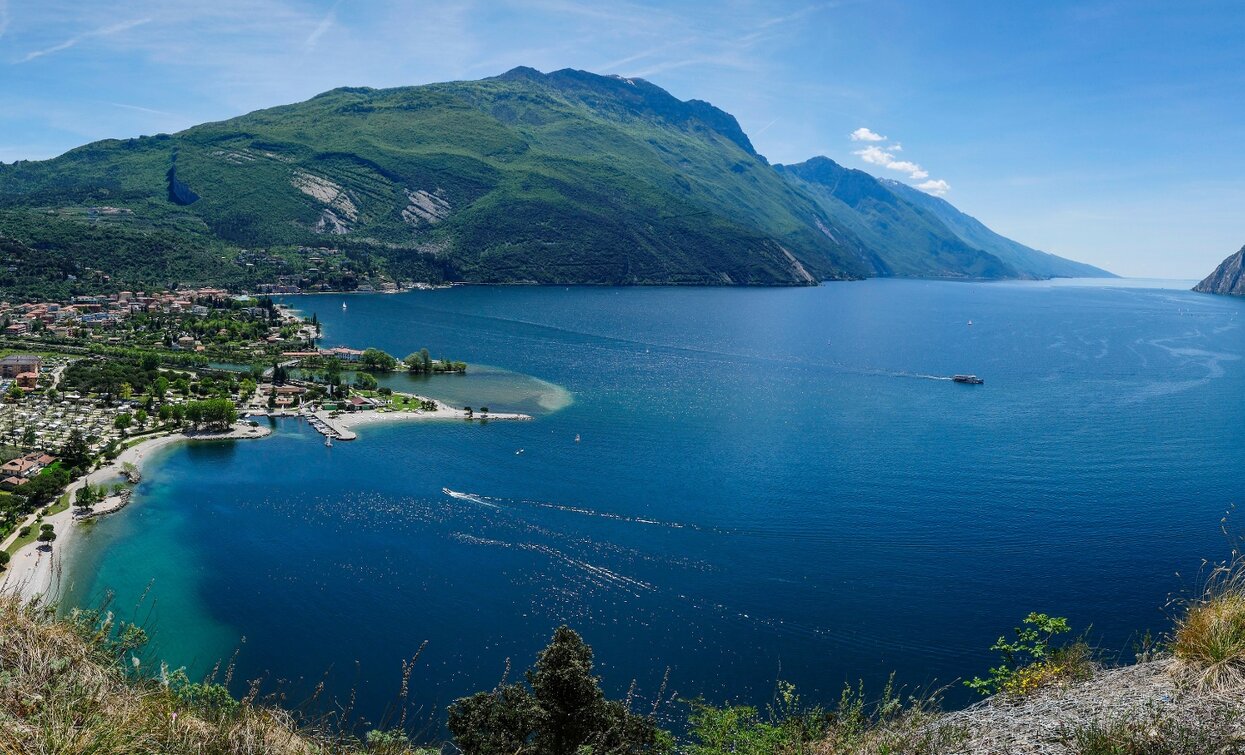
(1030, 662)
(1152, 734)
(560, 711)
(1209, 635)
(71, 686)
(889, 726)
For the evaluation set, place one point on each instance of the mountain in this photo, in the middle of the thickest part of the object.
(1035, 263)
(908, 240)
(1228, 278)
(559, 178)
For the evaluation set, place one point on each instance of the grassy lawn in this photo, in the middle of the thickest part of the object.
(22, 542)
(61, 504)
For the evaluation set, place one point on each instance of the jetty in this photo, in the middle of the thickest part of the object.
(326, 426)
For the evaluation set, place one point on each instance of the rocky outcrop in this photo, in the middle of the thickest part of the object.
(1228, 278)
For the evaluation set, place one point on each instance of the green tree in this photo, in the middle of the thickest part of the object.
(122, 421)
(140, 417)
(365, 381)
(46, 534)
(76, 452)
(4, 559)
(376, 360)
(564, 713)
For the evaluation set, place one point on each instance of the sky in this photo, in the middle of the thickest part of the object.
(1107, 132)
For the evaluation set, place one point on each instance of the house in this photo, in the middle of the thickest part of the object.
(27, 381)
(16, 364)
(13, 482)
(19, 467)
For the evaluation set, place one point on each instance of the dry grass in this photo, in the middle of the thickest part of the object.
(63, 690)
(1209, 635)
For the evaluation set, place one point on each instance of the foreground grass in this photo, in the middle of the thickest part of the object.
(66, 687)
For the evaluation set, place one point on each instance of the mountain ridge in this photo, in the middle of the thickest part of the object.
(568, 177)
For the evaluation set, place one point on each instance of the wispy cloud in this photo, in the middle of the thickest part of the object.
(883, 155)
(4, 17)
(325, 24)
(104, 31)
(141, 109)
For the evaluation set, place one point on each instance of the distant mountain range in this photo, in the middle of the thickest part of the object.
(560, 178)
(1228, 278)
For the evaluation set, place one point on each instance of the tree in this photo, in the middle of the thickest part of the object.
(76, 452)
(140, 417)
(4, 559)
(564, 713)
(15, 392)
(122, 421)
(47, 534)
(126, 391)
(376, 360)
(160, 387)
(364, 381)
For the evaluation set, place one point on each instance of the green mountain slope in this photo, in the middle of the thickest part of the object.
(566, 177)
(560, 178)
(1032, 262)
(911, 241)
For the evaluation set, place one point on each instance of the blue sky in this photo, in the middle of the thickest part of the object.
(1108, 132)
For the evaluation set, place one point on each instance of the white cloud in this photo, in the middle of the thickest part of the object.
(4, 17)
(884, 155)
(325, 24)
(105, 31)
(937, 187)
(863, 134)
(914, 171)
(875, 156)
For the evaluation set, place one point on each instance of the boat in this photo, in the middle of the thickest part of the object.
(576, 437)
(967, 379)
(328, 441)
(343, 305)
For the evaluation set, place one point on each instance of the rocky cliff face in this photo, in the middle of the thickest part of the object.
(1228, 278)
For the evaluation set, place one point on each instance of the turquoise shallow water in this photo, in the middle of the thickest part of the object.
(770, 483)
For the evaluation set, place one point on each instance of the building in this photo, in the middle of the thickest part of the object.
(18, 364)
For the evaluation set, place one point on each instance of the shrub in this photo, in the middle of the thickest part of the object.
(854, 727)
(1149, 734)
(1030, 663)
(1209, 638)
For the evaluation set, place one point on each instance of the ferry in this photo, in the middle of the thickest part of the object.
(967, 379)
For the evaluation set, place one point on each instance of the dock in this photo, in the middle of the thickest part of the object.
(325, 425)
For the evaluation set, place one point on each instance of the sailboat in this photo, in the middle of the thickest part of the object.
(328, 441)
(343, 305)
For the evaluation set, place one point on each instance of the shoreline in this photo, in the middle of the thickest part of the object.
(350, 420)
(35, 570)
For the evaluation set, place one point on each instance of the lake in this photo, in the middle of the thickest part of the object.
(768, 483)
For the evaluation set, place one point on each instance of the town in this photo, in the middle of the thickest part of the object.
(83, 380)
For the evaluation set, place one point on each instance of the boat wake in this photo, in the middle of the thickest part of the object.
(473, 498)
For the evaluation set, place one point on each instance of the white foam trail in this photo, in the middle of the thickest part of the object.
(469, 497)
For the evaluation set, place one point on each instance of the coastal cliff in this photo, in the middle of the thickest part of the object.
(1228, 278)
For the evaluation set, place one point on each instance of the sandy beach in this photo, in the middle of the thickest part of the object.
(355, 419)
(35, 570)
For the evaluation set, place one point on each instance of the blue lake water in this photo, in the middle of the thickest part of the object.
(769, 484)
